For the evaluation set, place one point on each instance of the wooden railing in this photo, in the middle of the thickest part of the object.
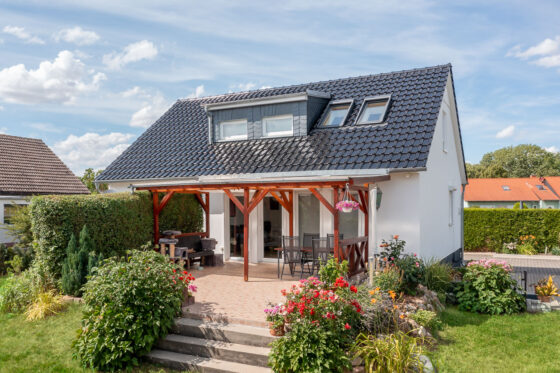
(354, 250)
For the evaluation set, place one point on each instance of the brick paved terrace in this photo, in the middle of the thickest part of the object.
(223, 295)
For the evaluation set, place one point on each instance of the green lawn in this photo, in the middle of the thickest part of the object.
(479, 343)
(43, 346)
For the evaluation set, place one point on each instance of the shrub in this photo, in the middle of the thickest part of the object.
(45, 304)
(427, 319)
(392, 249)
(16, 294)
(489, 288)
(555, 250)
(517, 206)
(381, 314)
(438, 276)
(309, 348)
(388, 279)
(14, 259)
(398, 352)
(20, 226)
(116, 222)
(129, 305)
(490, 229)
(332, 270)
(412, 273)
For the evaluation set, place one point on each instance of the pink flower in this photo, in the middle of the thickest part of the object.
(417, 264)
(347, 326)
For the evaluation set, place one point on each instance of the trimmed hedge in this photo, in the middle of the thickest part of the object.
(490, 229)
(116, 222)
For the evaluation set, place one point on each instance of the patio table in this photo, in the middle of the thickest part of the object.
(279, 249)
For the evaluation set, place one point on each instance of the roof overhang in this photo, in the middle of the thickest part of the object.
(279, 99)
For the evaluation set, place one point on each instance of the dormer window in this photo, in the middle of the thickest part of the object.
(506, 188)
(281, 125)
(336, 114)
(231, 130)
(373, 110)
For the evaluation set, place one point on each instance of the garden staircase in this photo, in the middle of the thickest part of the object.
(204, 346)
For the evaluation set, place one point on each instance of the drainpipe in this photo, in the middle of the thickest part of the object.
(463, 223)
(372, 231)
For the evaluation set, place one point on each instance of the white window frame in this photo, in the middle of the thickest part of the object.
(350, 103)
(280, 133)
(386, 98)
(232, 138)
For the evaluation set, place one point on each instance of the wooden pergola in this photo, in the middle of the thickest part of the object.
(283, 192)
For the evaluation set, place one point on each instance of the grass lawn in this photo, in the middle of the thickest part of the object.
(43, 346)
(480, 343)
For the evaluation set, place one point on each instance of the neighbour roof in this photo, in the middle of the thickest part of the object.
(520, 189)
(177, 145)
(28, 166)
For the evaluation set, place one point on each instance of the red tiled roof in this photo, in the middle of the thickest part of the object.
(521, 189)
(28, 166)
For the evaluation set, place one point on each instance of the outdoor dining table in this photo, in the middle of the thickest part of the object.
(305, 249)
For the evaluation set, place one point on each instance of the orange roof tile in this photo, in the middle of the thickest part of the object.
(520, 189)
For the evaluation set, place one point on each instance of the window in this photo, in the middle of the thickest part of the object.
(282, 125)
(9, 212)
(506, 187)
(541, 187)
(233, 130)
(373, 110)
(336, 115)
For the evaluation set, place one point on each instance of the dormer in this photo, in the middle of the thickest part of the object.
(268, 117)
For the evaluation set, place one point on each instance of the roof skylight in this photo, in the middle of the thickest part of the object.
(373, 110)
(505, 187)
(336, 114)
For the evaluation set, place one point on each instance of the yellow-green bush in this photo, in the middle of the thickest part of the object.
(490, 229)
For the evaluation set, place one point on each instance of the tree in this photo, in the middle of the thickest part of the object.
(88, 178)
(516, 161)
(80, 259)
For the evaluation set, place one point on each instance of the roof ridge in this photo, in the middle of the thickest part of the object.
(316, 82)
(21, 137)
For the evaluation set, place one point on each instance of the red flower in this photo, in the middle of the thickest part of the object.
(181, 278)
(185, 272)
(353, 289)
(347, 326)
(174, 271)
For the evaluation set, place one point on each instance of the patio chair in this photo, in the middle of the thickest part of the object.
(330, 239)
(291, 253)
(321, 253)
(308, 238)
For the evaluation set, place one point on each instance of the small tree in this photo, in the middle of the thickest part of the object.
(87, 250)
(72, 269)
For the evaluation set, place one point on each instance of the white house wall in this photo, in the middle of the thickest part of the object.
(440, 232)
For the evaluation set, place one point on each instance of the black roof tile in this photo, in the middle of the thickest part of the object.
(176, 145)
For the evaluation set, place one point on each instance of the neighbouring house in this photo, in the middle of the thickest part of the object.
(29, 167)
(532, 192)
(275, 161)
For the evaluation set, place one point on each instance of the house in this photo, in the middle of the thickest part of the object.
(275, 161)
(28, 167)
(534, 192)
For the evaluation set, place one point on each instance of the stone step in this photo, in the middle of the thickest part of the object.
(233, 352)
(180, 361)
(241, 334)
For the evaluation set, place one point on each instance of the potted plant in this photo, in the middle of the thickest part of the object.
(546, 289)
(347, 205)
(275, 317)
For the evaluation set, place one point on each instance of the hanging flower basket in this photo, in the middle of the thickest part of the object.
(347, 206)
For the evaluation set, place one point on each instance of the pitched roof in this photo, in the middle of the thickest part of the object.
(520, 189)
(28, 166)
(177, 145)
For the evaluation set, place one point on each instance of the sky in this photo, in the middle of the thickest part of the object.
(89, 77)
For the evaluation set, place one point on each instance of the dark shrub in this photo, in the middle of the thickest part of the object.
(129, 305)
(116, 222)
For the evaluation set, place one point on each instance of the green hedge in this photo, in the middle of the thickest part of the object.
(116, 222)
(489, 229)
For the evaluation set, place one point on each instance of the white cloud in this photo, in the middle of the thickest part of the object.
(246, 86)
(20, 33)
(550, 61)
(77, 35)
(3, 130)
(91, 150)
(142, 50)
(552, 149)
(150, 112)
(506, 132)
(1, 108)
(198, 92)
(60, 81)
(134, 91)
(548, 50)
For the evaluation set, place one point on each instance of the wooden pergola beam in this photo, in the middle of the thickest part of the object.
(236, 201)
(323, 200)
(281, 185)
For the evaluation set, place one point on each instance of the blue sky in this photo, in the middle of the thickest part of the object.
(89, 78)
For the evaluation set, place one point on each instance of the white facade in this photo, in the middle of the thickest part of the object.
(5, 237)
(423, 206)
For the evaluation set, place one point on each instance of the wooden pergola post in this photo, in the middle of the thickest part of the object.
(157, 209)
(206, 207)
(336, 224)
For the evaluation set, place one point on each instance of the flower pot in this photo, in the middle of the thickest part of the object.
(544, 298)
(347, 209)
(276, 331)
(187, 299)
